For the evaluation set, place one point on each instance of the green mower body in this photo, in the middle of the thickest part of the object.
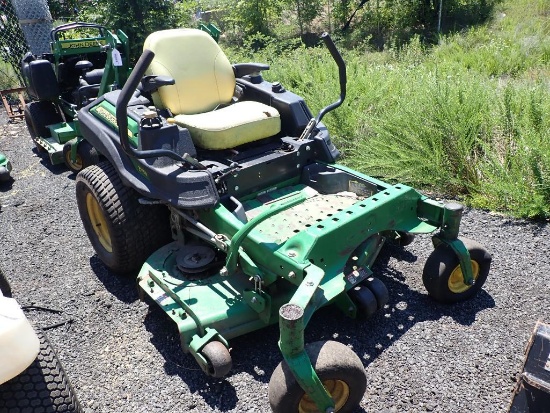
(230, 241)
(5, 168)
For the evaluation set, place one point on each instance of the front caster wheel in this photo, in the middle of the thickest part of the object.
(364, 299)
(340, 371)
(379, 289)
(442, 275)
(218, 359)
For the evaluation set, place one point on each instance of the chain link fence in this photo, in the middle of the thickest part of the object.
(24, 26)
(36, 21)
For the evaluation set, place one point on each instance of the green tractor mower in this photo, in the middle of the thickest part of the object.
(224, 189)
(86, 61)
(5, 168)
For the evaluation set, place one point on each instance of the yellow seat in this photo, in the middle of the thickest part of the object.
(204, 80)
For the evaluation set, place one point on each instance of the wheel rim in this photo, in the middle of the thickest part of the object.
(98, 222)
(456, 280)
(77, 164)
(338, 390)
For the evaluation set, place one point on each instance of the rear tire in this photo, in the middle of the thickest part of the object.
(38, 115)
(122, 231)
(42, 387)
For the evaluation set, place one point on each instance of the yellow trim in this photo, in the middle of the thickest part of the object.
(77, 164)
(99, 223)
(456, 279)
(338, 390)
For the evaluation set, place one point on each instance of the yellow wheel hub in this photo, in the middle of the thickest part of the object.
(338, 390)
(97, 218)
(456, 280)
(77, 164)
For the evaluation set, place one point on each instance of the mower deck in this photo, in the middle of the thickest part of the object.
(309, 229)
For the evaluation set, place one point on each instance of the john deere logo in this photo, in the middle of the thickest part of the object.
(82, 44)
(109, 117)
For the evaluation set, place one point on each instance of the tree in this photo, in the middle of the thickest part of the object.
(136, 18)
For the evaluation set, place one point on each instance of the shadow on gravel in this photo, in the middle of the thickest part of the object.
(45, 161)
(6, 185)
(124, 288)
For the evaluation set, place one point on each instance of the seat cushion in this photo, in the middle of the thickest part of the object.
(204, 77)
(232, 126)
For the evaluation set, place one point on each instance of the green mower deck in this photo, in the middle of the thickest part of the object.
(309, 238)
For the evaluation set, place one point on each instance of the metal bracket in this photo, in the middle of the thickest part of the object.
(14, 110)
(463, 256)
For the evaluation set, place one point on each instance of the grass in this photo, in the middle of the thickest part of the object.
(469, 117)
(466, 118)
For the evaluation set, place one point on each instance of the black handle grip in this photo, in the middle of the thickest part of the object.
(126, 94)
(339, 61)
(341, 74)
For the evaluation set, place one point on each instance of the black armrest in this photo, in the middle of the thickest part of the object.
(151, 83)
(254, 69)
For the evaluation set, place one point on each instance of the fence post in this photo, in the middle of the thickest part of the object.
(36, 22)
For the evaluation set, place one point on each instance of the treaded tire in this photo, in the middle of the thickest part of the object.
(5, 287)
(38, 115)
(122, 231)
(42, 388)
(333, 361)
(442, 274)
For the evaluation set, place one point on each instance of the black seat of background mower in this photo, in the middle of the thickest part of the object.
(41, 79)
(93, 77)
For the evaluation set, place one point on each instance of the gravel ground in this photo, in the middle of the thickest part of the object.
(123, 356)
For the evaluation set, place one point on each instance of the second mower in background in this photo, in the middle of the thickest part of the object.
(86, 61)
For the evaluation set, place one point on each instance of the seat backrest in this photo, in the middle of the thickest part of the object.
(204, 77)
(41, 80)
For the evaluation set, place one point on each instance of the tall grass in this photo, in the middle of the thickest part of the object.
(469, 117)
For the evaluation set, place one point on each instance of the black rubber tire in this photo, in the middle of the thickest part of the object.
(134, 231)
(5, 287)
(38, 115)
(42, 388)
(440, 266)
(218, 358)
(364, 299)
(332, 361)
(86, 155)
(379, 289)
(30, 128)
